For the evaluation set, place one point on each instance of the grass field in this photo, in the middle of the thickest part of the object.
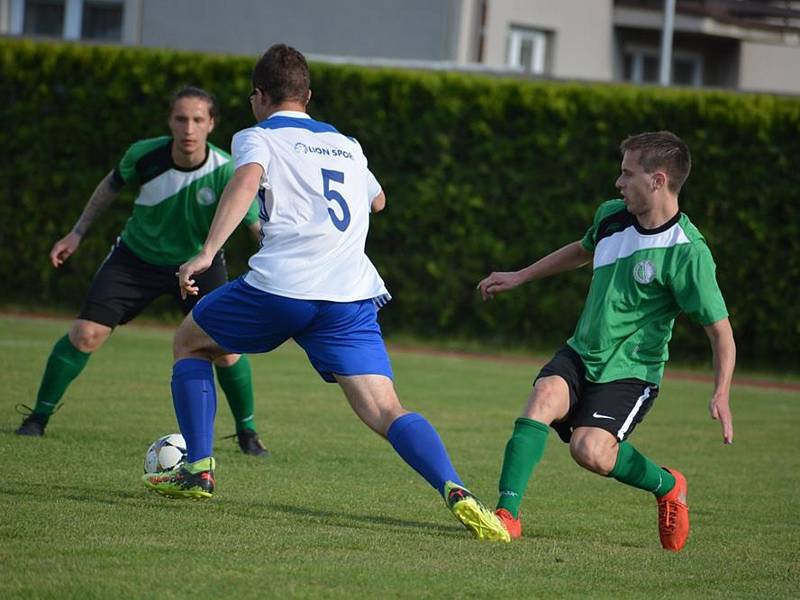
(335, 513)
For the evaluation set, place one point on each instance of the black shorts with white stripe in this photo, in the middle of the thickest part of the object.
(616, 406)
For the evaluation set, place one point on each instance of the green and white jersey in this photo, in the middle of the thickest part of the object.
(174, 208)
(643, 278)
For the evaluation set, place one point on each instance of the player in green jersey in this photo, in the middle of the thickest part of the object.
(649, 264)
(179, 180)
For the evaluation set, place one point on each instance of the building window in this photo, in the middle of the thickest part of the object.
(641, 65)
(44, 18)
(101, 21)
(528, 50)
(687, 71)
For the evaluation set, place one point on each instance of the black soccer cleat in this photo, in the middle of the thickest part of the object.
(33, 425)
(250, 443)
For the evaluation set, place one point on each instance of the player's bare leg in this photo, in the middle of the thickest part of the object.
(88, 336)
(594, 449)
(375, 401)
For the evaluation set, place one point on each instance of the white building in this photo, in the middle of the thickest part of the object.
(732, 44)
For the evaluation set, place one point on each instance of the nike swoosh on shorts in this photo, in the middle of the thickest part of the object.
(597, 415)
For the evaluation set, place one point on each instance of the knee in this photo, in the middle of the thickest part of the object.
(192, 342)
(549, 401)
(595, 451)
(227, 360)
(88, 336)
(184, 346)
(374, 400)
(388, 409)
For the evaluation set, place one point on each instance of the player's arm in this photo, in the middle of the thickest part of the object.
(568, 257)
(378, 202)
(233, 206)
(724, 348)
(103, 195)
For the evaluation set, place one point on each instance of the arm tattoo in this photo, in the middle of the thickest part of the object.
(101, 198)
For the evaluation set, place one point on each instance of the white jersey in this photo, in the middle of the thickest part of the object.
(315, 198)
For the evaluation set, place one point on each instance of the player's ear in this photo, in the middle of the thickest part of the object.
(659, 180)
(308, 98)
(211, 123)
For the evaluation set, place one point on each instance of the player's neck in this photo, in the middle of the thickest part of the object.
(189, 161)
(290, 105)
(659, 213)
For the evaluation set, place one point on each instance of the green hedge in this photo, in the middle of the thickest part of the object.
(480, 173)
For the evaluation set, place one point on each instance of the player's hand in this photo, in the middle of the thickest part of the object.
(720, 410)
(64, 248)
(498, 282)
(188, 270)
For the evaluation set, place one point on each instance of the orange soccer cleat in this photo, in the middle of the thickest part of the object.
(512, 525)
(673, 515)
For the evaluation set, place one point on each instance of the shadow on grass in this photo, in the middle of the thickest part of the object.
(341, 518)
(145, 499)
(53, 491)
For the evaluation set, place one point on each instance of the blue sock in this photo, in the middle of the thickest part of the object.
(417, 442)
(195, 400)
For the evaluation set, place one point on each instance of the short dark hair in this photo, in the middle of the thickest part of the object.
(282, 73)
(191, 91)
(661, 150)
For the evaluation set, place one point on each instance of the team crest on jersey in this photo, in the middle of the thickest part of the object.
(206, 196)
(644, 271)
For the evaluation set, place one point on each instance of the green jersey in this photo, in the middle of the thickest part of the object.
(643, 278)
(174, 208)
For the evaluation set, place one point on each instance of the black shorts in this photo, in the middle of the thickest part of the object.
(616, 406)
(125, 284)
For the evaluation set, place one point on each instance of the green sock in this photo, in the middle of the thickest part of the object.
(635, 469)
(65, 364)
(523, 452)
(237, 383)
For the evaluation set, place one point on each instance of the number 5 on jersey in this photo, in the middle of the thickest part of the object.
(334, 196)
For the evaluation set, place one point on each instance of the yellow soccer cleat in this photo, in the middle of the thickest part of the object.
(481, 522)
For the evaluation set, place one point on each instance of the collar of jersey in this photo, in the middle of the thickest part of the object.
(294, 114)
(296, 120)
(659, 229)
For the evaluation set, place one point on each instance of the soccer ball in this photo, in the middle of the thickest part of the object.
(165, 454)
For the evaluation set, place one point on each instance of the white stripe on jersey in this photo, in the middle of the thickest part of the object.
(624, 243)
(166, 185)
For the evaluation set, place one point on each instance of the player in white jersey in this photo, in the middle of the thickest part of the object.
(310, 281)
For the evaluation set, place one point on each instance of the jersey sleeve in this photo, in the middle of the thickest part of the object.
(589, 240)
(373, 187)
(695, 286)
(248, 147)
(125, 172)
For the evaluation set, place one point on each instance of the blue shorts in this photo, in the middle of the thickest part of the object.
(341, 338)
